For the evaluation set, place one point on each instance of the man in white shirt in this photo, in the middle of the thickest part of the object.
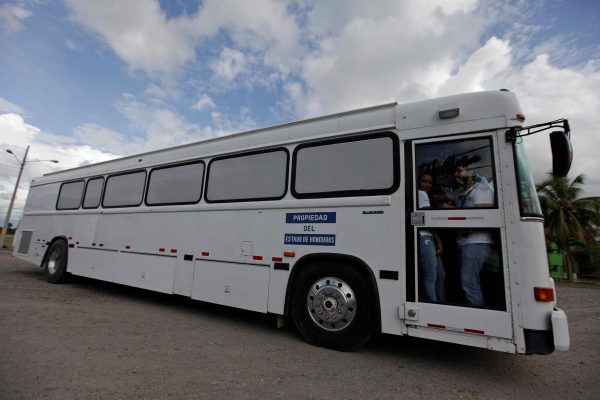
(474, 245)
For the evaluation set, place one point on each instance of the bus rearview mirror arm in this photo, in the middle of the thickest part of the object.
(560, 143)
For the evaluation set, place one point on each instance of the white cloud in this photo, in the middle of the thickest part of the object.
(547, 92)
(108, 140)
(71, 45)
(17, 135)
(229, 64)
(263, 26)
(8, 107)
(203, 102)
(329, 18)
(165, 91)
(484, 66)
(138, 32)
(15, 131)
(227, 124)
(388, 51)
(159, 125)
(12, 17)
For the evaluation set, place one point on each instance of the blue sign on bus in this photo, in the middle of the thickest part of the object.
(310, 218)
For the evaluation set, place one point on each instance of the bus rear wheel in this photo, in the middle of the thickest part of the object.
(332, 306)
(55, 264)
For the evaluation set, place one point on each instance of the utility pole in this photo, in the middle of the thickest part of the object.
(12, 200)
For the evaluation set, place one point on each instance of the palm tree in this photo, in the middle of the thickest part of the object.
(568, 219)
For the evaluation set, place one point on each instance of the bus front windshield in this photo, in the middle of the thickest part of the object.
(528, 198)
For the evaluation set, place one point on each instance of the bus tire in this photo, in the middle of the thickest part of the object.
(55, 263)
(332, 306)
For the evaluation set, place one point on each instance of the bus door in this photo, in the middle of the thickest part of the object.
(458, 283)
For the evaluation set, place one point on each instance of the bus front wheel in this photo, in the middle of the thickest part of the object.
(332, 306)
(55, 264)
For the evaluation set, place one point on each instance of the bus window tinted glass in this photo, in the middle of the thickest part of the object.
(93, 193)
(248, 177)
(175, 185)
(69, 197)
(347, 168)
(124, 190)
(459, 173)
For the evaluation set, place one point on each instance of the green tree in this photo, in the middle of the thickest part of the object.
(568, 218)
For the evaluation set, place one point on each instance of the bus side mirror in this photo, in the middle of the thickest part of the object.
(562, 153)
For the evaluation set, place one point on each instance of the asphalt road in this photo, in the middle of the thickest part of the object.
(93, 340)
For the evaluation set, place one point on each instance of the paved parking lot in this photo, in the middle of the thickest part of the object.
(94, 340)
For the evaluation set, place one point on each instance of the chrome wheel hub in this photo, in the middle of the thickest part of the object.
(54, 260)
(331, 304)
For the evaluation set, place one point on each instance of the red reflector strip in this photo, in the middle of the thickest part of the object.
(205, 254)
(437, 326)
(457, 218)
(480, 332)
(162, 250)
(257, 258)
(277, 259)
(543, 294)
(173, 250)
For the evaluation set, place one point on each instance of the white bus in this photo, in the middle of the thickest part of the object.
(416, 219)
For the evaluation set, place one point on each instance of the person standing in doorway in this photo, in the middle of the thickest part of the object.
(474, 245)
(433, 275)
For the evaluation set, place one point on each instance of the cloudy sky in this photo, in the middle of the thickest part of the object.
(84, 81)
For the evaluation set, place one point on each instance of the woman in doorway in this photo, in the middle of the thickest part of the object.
(433, 275)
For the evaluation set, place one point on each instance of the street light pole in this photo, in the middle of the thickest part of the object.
(12, 200)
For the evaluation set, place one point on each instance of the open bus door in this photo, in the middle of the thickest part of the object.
(457, 285)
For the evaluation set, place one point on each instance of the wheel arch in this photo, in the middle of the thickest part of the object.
(354, 261)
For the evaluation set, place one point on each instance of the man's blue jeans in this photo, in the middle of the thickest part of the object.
(433, 275)
(472, 259)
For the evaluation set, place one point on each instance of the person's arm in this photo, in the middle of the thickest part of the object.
(423, 200)
(439, 248)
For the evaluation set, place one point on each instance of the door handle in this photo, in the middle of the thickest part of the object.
(417, 218)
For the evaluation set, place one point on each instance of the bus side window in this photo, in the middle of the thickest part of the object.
(69, 197)
(93, 193)
(260, 175)
(360, 166)
(124, 190)
(178, 184)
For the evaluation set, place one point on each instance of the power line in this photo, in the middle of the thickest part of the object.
(9, 166)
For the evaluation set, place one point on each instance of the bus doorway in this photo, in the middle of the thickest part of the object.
(458, 287)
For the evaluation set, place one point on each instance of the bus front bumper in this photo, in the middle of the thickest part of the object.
(547, 341)
(560, 330)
